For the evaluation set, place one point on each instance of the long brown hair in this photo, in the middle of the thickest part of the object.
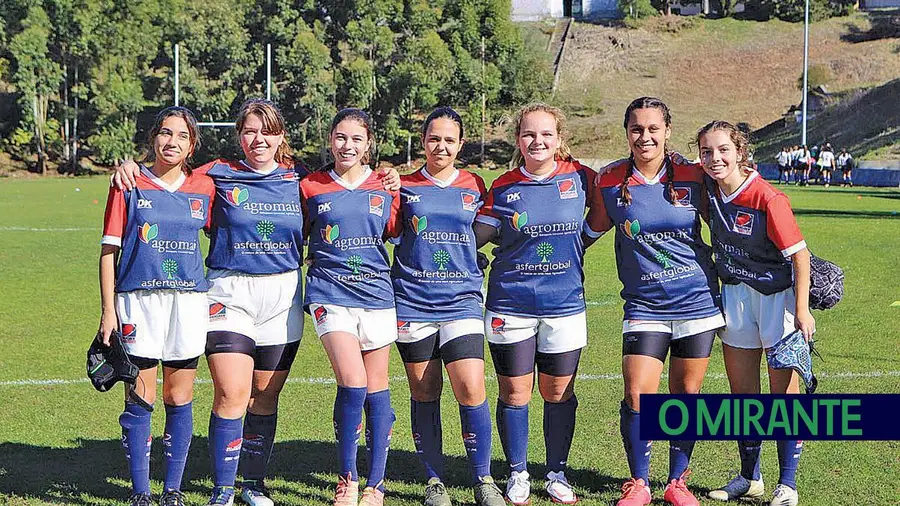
(193, 133)
(740, 139)
(273, 124)
(361, 116)
(562, 152)
(648, 103)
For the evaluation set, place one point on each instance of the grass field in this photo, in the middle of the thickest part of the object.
(59, 439)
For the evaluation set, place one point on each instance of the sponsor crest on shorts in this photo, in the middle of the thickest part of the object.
(498, 325)
(129, 332)
(743, 223)
(567, 188)
(376, 204)
(469, 201)
(217, 311)
(402, 327)
(320, 314)
(682, 196)
(196, 208)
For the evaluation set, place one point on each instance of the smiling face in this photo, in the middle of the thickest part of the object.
(173, 144)
(538, 138)
(350, 143)
(259, 143)
(647, 134)
(721, 158)
(442, 143)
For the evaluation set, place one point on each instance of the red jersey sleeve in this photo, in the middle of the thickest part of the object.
(597, 221)
(781, 226)
(395, 222)
(114, 218)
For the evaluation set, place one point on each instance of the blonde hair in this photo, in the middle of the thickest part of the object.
(273, 124)
(562, 152)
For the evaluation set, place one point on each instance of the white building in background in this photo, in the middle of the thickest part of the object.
(532, 10)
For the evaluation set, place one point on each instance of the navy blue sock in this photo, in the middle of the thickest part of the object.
(177, 443)
(788, 459)
(428, 436)
(136, 439)
(348, 406)
(224, 448)
(259, 439)
(476, 433)
(512, 424)
(379, 427)
(679, 457)
(636, 449)
(749, 451)
(559, 427)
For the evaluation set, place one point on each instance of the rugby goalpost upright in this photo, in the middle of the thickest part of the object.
(221, 124)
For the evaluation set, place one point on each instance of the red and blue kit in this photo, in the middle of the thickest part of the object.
(666, 270)
(754, 232)
(347, 226)
(257, 218)
(435, 273)
(537, 270)
(157, 227)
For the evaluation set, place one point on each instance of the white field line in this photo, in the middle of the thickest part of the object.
(399, 379)
(30, 229)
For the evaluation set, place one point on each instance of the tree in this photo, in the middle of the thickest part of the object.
(355, 262)
(544, 250)
(441, 257)
(664, 258)
(265, 228)
(170, 267)
(36, 77)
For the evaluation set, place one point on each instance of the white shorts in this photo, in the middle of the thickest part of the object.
(678, 328)
(411, 332)
(754, 320)
(162, 324)
(266, 308)
(554, 335)
(375, 328)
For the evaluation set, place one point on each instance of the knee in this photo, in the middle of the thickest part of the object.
(178, 395)
(231, 402)
(427, 389)
(633, 399)
(516, 397)
(468, 394)
(557, 393)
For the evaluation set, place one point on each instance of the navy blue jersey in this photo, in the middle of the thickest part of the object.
(665, 268)
(436, 275)
(754, 232)
(257, 219)
(157, 226)
(347, 225)
(537, 269)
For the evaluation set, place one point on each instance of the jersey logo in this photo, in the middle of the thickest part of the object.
(419, 224)
(148, 232)
(324, 207)
(196, 208)
(512, 197)
(376, 204)
(497, 325)
(682, 197)
(145, 204)
(469, 201)
(217, 311)
(743, 223)
(413, 199)
(320, 314)
(237, 196)
(631, 228)
(567, 188)
(402, 327)
(129, 332)
(518, 220)
(330, 233)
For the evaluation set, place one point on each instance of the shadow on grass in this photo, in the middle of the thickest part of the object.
(94, 470)
(832, 213)
(885, 24)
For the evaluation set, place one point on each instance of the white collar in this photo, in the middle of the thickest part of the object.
(643, 180)
(262, 172)
(437, 182)
(354, 185)
(171, 188)
(728, 198)
(535, 177)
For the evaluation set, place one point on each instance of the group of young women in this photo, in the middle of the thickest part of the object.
(260, 211)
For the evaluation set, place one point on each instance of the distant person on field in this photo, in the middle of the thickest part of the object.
(826, 165)
(804, 161)
(153, 291)
(764, 266)
(795, 164)
(845, 163)
(784, 164)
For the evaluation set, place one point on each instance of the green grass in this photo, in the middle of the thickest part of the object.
(59, 444)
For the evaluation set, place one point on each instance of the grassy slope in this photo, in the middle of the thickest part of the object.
(741, 71)
(59, 444)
